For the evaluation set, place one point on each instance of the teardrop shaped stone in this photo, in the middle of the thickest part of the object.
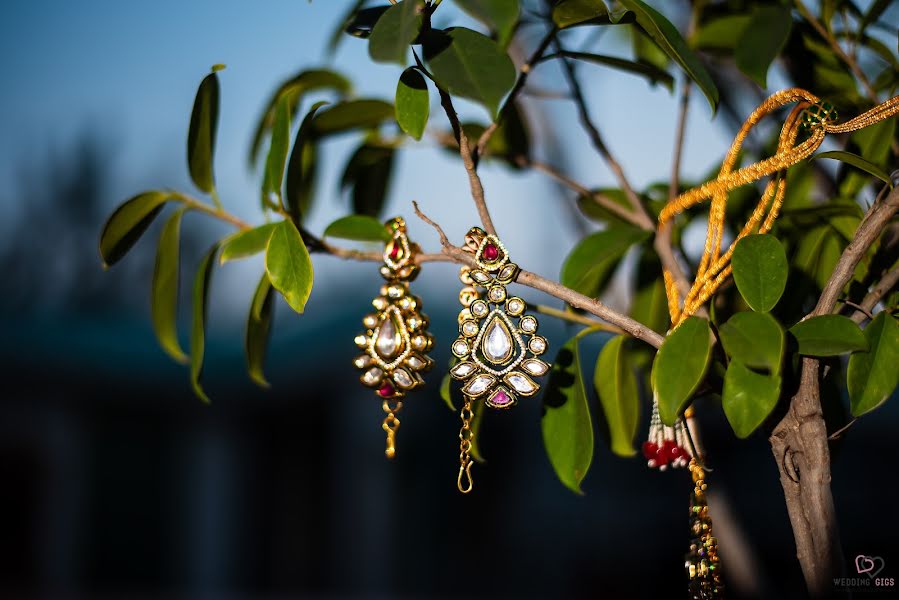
(389, 342)
(497, 342)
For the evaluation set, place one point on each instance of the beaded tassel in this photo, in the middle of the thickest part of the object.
(666, 445)
(702, 563)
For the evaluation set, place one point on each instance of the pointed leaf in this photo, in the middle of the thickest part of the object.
(857, 161)
(294, 89)
(127, 223)
(616, 387)
(201, 134)
(762, 40)
(872, 376)
(369, 172)
(352, 114)
(259, 324)
(277, 153)
(722, 33)
(670, 41)
(500, 16)
(394, 31)
(567, 427)
(288, 265)
(648, 70)
(246, 243)
(301, 167)
(760, 270)
(571, 12)
(164, 298)
(755, 339)
(471, 65)
(680, 367)
(829, 335)
(650, 304)
(748, 398)
(590, 263)
(198, 329)
(358, 227)
(412, 103)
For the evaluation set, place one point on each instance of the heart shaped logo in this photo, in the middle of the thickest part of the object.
(869, 565)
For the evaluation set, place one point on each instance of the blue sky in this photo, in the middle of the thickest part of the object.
(130, 71)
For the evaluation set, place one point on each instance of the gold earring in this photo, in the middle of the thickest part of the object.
(498, 345)
(396, 340)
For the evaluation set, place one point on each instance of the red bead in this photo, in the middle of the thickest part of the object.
(650, 450)
(669, 449)
(491, 252)
(386, 390)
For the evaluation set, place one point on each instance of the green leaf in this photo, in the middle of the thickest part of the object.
(590, 263)
(499, 15)
(616, 387)
(358, 227)
(648, 70)
(369, 172)
(198, 329)
(277, 153)
(164, 297)
(670, 41)
(294, 89)
(650, 304)
(872, 376)
(301, 167)
(352, 114)
(571, 12)
(680, 367)
(755, 339)
(828, 335)
(201, 135)
(471, 65)
(748, 398)
(127, 223)
(394, 31)
(566, 424)
(259, 325)
(288, 265)
(857, 161)
(762, 40)
(246, 243)
(412, 103)
(722, 33)
(595, 211)
(446, 390)
(760, 270)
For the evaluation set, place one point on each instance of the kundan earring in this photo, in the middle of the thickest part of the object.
(396, 340)
(498, 345)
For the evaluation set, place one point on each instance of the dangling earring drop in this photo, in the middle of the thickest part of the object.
(396, 340)
(498, 345)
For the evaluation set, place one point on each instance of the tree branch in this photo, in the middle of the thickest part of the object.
(639, 210)
(474, 181)
(886, 284)
(532, 280)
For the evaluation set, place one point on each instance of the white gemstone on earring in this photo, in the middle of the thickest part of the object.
(478, 385)
(535, 367)
(521, 383)
(463, 370)
(497, 294)
(529, 324)
(479, 308)
(372, 376)
(403, 379)
(537, 345)
(460, 347)
(469, 328)
(515, 306)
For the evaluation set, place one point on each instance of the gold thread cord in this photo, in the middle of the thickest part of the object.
(810, 116)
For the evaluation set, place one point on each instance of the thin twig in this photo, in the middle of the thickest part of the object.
(524, 71)
(836, 434)
(474, 181)
(575, 299)
(886, 284)
(679, 137)
(567, 315)
(596, 138)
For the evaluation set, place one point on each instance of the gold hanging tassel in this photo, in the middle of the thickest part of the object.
(702, 563)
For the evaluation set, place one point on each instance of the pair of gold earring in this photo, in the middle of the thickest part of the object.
(497, 351)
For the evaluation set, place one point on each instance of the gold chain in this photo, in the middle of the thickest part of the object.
(391, 424)
(811, 115)
(466, 435)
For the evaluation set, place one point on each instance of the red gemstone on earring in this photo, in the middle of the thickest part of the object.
(386, 390)
(394, 250)
(491, 252)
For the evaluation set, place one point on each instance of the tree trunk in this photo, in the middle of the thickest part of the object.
(799, 443)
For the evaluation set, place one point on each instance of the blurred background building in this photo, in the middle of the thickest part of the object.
(116, 482)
